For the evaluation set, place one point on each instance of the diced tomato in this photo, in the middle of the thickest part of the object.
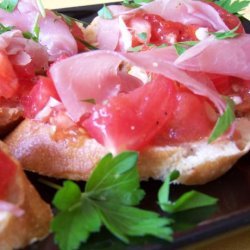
(193, 119)
(7, 173)
(230, 20)
(161, 30)
(8, 78)
(131, 121)
(78, 34)
(39, 96)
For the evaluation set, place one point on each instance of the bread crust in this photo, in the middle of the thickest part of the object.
(9, 119)
(198, 162)
(18, 232)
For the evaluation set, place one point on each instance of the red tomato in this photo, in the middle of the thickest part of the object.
(131, 121)
(161, 30)
(78, 34)
(8, 79)
(193, 119)
(39, 96)
(7, 173)
(230, 20)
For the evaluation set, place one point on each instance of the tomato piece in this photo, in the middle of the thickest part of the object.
(159, 30)
(132, 120)
(229, 19)
(193, 119)
(39, 96)
(78, 34)
(8, 78)
(7, 173)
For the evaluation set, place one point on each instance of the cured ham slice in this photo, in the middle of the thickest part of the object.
(226, 57)
(90, 76)
(188, 12)
(95, 75)
(54, 33)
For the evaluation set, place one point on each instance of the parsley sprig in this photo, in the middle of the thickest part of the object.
(224, 121)
(135, 3)
(8, 5)
(189, 200)
(109, 199)
(234, 7)
(226, 34)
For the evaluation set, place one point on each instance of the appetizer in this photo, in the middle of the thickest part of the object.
(169, 79)
(24, 216)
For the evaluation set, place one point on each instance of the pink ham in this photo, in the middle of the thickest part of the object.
(94, 75)
(10, 208)
(54, 34)
(226, 57)
(111, 32)
(22, 51)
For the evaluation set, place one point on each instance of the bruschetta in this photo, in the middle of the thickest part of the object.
(159, 84)
(24, 216)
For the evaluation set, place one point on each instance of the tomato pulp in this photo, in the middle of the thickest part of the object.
(131, 121)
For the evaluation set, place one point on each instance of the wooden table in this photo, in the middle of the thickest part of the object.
(238, 240)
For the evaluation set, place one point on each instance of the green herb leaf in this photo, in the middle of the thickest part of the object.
(116, 178)
(181, 47)
(135, 3)
(8, 5)
(110, 194)
(105, 13)
(187, 201)
(226, 34)
(224, 122)
(136, 48)
(73, 226)
(235, 6)
(4, 29)
(142, 36)
(125, 221)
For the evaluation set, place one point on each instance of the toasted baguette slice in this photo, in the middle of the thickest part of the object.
(9, 119)
(18, 232)
(198, 162)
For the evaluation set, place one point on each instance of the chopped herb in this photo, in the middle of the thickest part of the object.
(187, 201)
(135, 3)
(181, 47)
(226, 34)
(105, 13)
(8, 5)
(224, 122)
(90, 100)
(110, 195)
(235, 6)
(142, 36)
(4, 29)
(136, 48)
(36, 30)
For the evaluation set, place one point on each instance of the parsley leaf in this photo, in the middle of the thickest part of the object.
(224, 122)
(135, 3)
(110, 194)
(181, 47)
(142, 36)
(235, 6)
(36, 31)
(8, 5)
(187, 201)
(226, 34)
(105, 13)
(4, 29)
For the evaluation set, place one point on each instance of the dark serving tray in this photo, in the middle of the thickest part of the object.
(232, 190)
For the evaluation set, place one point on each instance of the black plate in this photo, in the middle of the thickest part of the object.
(232, 190)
